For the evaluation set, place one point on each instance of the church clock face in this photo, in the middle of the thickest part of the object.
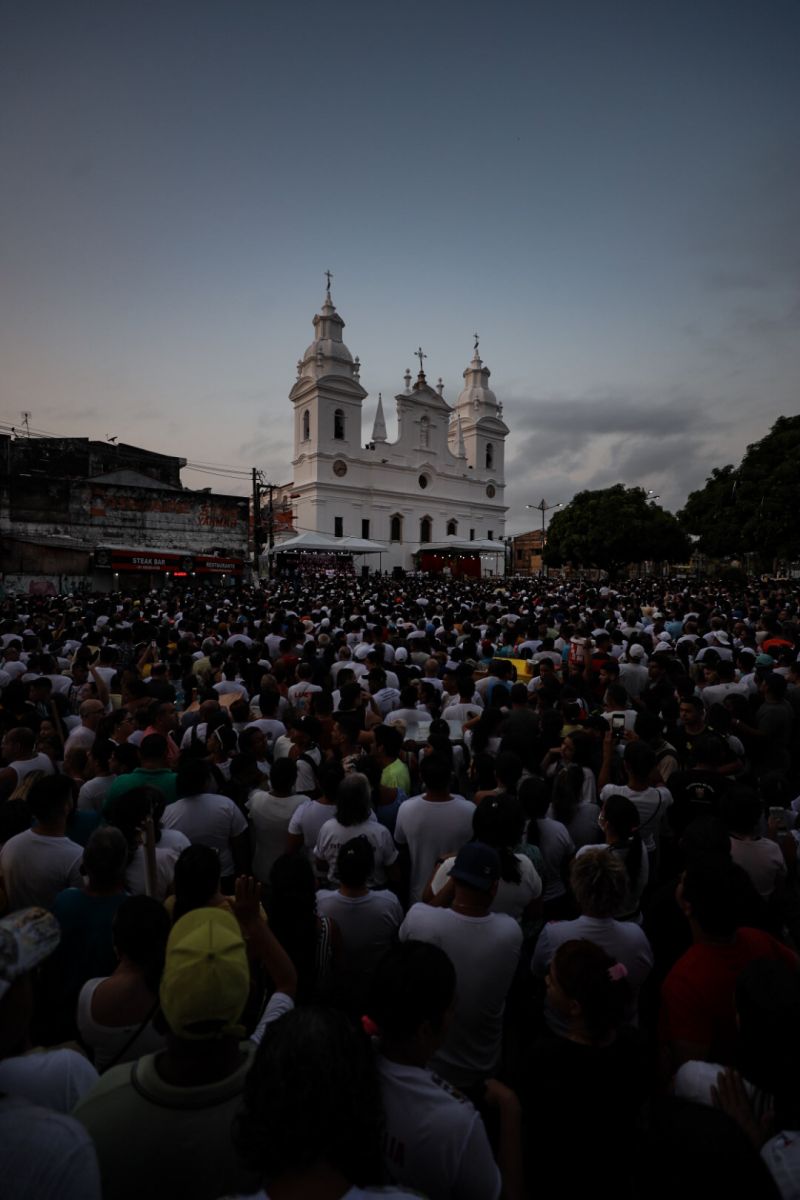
(340, 468)
(491, 491)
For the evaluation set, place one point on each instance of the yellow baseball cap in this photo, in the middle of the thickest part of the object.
(206, 980)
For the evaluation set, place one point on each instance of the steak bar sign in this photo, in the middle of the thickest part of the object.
(146, 560)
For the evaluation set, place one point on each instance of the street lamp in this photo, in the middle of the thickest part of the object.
(543, 507)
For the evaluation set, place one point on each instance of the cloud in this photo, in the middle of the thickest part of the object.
(667, 444)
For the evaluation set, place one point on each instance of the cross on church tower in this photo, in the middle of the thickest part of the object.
(475, 347)
(329, 277)
(420, 355)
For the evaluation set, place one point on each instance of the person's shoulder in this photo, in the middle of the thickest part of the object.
(760, 940)
(505, 926)
(115, 1082)
(424, 914)
(17, 842)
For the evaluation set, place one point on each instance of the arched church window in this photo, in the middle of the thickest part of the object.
(306, 425)
(489, 456)
(424, 432)
(425, 529)
(338, 425)
(396, 528)
(452, 528)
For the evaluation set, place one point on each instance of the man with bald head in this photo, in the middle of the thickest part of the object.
(91, 713)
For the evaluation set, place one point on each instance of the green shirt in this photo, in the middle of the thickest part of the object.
(158, 777)
(396, 775)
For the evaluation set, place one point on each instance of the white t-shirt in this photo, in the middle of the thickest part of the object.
(333, 835)
(210, 819)
(368, 924)
(306, 780)
(624, 941)
(300, 693)
(431, 829)
(434, 1139)
(308, 819)
(271, 728)
(407, 716)
(55, 1079)
(173, 839)
(652, 805)
(511, 898)
(80, 738)
(485, 952)
(270, 816)
(136, 873)
(94, 792)
(763, 861)
(557, 849)
(36, 868)
(46, 1154)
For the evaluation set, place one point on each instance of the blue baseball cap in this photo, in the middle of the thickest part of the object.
(477, 865)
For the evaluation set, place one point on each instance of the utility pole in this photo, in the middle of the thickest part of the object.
(256, 520)
(261, 488)
(543, 507)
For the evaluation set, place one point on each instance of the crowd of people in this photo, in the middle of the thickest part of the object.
(318, 890)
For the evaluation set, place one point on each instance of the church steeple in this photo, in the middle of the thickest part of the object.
(479, 418)
(327, 394)
(476, 394)
(327, 354)
(379, 427)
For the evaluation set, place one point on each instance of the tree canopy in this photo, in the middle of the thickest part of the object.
(752, 508)
(612, 527)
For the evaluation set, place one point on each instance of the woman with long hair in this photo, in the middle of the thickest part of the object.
(354, 817)
(115, 1014)
(312, 942)
(498, 822)
(619, 822)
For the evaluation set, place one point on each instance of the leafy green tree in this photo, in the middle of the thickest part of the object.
(711, 514)
(753, 508)
(611, 528)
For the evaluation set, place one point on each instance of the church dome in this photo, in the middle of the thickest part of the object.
(327, 354)
(476, 393)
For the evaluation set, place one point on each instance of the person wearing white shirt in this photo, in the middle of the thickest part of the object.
(270, 813)
(600, 885)
(208, 818)
(433, 824)
(39, 863)
(367, 919)
(472, 937)
(354, 818)
(435, 1140)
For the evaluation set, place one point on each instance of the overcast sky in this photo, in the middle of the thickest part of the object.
(607, 192)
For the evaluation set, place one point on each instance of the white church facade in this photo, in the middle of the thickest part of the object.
(440, 484)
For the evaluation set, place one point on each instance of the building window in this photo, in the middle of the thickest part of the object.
(520, 555)
(338, 526)
(452, 528)
(338, 425)
(396, 528)
(365, 528)
(423, 481)
(425, 529)
(424, 432)
(306, 425)
(490, 535)
(489, 456)
(472, 535)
